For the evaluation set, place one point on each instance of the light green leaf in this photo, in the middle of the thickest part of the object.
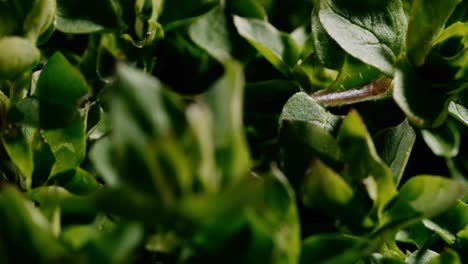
(224, 99)
(459, 111)
(20, 151)
(354, 74)
(200, 120)
(277, 47)
(100, 155)
(210, 32)
(449, 256)
(17, 55)
(427, 20)
(394, 146)
(422, 257)
(302, 107)
(323, 188)
(68, 145)
(423, 197)
(364, 166)
(444, 141)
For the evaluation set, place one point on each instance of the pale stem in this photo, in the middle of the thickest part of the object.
(376, 90)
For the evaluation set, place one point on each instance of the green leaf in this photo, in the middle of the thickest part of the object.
(372, 34)
(100, 155)
(328, 52)
(78, 181)
(459, 111)
(261, 206)
(77, 236)
(324, 189)
(25, 233)
(248, 8)
(394, 146)
(423, 197)
(277, 47)
(20, 151)
(201, 123)
(40, 18)
(210, 32)
(279, 223)
(444, 141)
(455, 219)
(88, 16)
(59, 90)
(336, 249)
(302, 107)
(303, 140)
(122, 240)
(144, 93)
(17, 55)
(353, 74)
(61, 83)
(224, 99)
(68, 145)
(426, 22)
(177, 13)
(364, 166)
(422, 257)
(445, 234)
(447, 257)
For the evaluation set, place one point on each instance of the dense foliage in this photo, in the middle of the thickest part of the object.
(234, 131)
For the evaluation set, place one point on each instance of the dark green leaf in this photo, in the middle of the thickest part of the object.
(86, 16)
(177, 13)
(25, 233)
(78, 181)
(372, 34)
(334, 249)
(394, 146)
(426, 22)
(408, 85)
(61, 83)
(248, 8)
(122, 241)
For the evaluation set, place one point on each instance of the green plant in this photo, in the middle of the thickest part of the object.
(252, 131)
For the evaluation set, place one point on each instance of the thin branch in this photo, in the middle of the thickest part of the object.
(376, 90)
